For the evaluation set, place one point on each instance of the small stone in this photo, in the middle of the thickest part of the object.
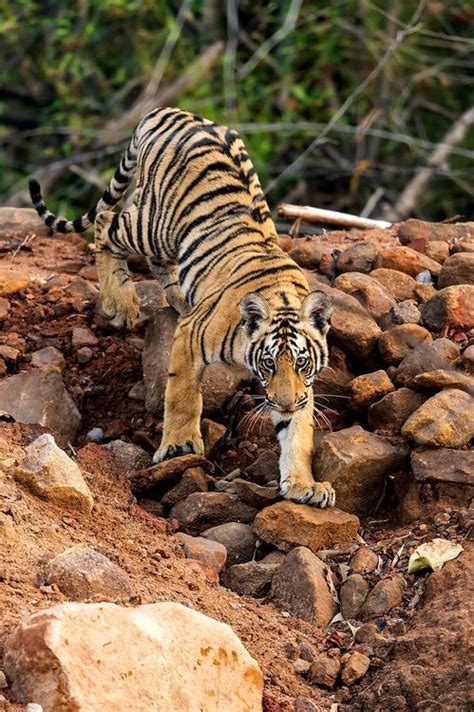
(357, 258)
(406, 260)
(201, 510)
(49, 357)
(385, 595)
(363, 561)
(457, 269)
(265, 467)
(7, 529)
(366, 633)
(39, 396)
(300, 587)
(274, 557)
(252, 578)
(255, 495)
(403, 313)
(12, 281)
(8, 353)
(3, 680)
(304, 704)
(353, 593)
(445, 420)
(129, 455)
(238, 539)
(204, 571)
(202, 549)
(368, 291)
(325, 670)
(444, 379)
(428, 356)
(82, 336)
(84, 355)
(355, 668)
(193, 480)
(357, 462)
(82, 291)
(400, 340)
(369, 387)
(95, 435)
(81, 573)
(390, 413)
(212, 434)
(287, 524)
(51, 474)
(452, 306)
(4, 308)
(438, 250)
(301, 666)
(102, 656)
(468, 359)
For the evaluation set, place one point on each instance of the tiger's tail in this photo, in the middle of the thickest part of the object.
(111, 196)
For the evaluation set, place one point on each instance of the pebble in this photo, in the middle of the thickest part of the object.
(84, 354)
(95, 435)
(355, 668)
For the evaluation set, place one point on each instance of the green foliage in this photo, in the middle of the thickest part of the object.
(68, 69)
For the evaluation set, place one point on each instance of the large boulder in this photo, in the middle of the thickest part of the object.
(51, 474)
(154, 658)
(457, 269)
(406, 260)
(356, 463)
(389, 414)
(39, 396)
(452, 306)
(21, 222)
(427, 356)
(300, 586)
(368, 291)
(219, 382)
(287, 524)
(399, 341)
(443, 465)
(446, 420)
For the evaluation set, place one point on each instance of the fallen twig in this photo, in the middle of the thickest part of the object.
(328, 217)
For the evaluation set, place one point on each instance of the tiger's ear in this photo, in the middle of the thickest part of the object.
(254, 309)
(317, 309)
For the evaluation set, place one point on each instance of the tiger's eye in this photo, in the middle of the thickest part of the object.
(301, 361)
(268, 363)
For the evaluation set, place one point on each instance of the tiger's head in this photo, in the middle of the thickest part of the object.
(286, 346)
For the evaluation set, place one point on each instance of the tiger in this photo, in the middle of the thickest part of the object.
(200, 218)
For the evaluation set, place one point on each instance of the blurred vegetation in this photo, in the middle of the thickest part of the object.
(68, 70)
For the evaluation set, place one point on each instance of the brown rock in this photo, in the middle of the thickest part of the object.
(452, 306)
(274, 557)
(428, 356)
(438, 250)
(355, 668)
(212, 434)
(307, 252)
(129, 455)
(357, 258)
(446, 420)
(368, 291)
(356, 463)
(363, 561)
(369, 387)
(252, 578)
(202, 510)
(205, 550)
(419, 229)
(21, 222)
(238, 539)
(102, 656)
(400, 285)
(39, 396)
(265, 467)
(458, 269)
(165, 471)
(255, 495)
(385, 595)
(219, 384)
(443, 465)
(468, 359)
(4, 308)
(400, 340)
(83, 337)
(287, 524)
(50, 474)
(406, 260)
(304, 704)
(352, 595)
(300, 587)
(202, 570)
(193, 480)
(49, 357)
(7, 530)
(325, 670)
(402, 313)
(81, 291)
(84, 354)
(444, 379)
(81, 574)
(12, 281)
(390, 413)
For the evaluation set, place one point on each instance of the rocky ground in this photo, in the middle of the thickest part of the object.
(321, 599)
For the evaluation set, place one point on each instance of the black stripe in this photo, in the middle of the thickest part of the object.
(281, 426)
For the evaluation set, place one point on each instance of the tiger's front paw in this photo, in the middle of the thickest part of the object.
(318, 494)
(169, 450)
(122, 306)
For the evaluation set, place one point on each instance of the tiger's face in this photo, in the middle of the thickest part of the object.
(286, 347)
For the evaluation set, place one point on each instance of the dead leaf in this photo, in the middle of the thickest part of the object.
(433, 555)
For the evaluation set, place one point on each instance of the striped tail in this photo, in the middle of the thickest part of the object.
(111, 196)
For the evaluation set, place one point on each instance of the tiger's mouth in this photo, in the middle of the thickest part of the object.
(287, 410)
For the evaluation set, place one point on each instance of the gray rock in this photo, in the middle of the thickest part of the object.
(438, 354)
(390, 413)
(129, 455)
(353, 593)
(201, 510)
(252, 578)
(238, 538)
(49, 357)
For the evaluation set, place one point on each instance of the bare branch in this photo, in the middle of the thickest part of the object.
(328, 217)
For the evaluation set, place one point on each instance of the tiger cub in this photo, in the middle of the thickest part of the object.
(201, 219)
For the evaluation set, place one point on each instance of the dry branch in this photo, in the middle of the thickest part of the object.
(144, 480)
(328, 217)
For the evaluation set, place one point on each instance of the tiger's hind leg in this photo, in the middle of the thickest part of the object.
(167, 276)
(119, 299)
(183, 401)
(295, 436)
